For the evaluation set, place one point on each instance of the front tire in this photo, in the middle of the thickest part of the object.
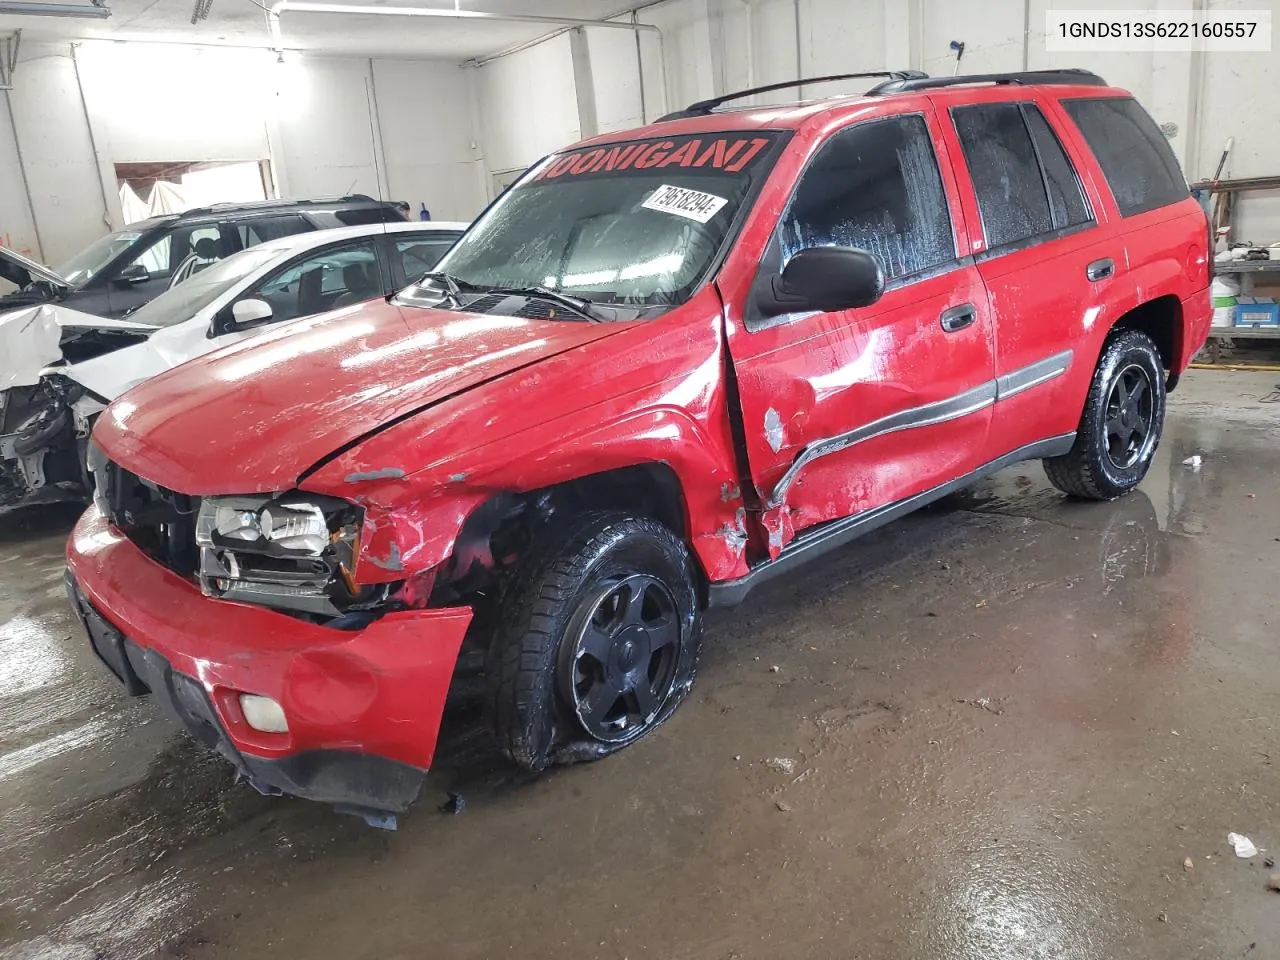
(597, 642)
(1121, 425)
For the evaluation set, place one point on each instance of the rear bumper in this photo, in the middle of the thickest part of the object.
(363, 706)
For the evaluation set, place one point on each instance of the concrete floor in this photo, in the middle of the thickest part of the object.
(995, 730)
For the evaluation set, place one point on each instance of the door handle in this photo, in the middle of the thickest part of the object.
(957, 318)
(1100, 269)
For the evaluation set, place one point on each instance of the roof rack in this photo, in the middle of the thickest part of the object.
(704, 108)
(264, 204)
(1067, 76)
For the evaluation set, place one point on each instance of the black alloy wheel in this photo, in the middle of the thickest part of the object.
(622, 665)
(1129, 415)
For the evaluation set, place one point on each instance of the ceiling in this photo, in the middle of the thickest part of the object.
(243, 23)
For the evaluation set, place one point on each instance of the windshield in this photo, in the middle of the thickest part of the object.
(191, 296)
(637, 224)
(86, 264)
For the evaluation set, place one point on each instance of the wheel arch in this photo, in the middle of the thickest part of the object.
(1161, 319)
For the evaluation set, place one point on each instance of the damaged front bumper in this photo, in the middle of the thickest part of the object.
(363, 706)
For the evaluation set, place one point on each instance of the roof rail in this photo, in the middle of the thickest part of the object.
(704, 108)
(271, 204)
(1065, 76)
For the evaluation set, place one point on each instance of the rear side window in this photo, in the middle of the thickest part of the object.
(420, 254)
(261, 229)
(1135, 157)
(1006, 173)
(1066, 199)
(365, 215)
(874, 186)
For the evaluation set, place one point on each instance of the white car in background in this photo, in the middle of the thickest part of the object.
(59, 368)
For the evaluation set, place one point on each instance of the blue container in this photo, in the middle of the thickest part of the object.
(1264, 314)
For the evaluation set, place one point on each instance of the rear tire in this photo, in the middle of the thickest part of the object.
(597, 642)
(1121, 425)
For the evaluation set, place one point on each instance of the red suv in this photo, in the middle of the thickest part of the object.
(664, 367)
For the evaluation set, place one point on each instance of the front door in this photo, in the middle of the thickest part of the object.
(849, 411)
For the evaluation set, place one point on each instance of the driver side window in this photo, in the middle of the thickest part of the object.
(874, 186)
(325, 280)
(180, 253)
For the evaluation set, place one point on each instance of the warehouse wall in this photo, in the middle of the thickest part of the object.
(528, 105)
(402, 130)
(713, 46)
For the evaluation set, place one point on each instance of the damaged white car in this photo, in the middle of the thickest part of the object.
(59, 368)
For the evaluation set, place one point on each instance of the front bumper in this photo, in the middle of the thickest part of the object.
(363, 706)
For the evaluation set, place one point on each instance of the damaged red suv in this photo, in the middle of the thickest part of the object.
(664, 367)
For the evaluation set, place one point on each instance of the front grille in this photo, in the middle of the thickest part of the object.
(161, 522)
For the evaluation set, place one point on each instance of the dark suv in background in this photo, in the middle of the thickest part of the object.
(123, 270)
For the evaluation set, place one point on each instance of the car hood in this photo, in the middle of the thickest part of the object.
(31, 338)
(21, 270)
(254, 417)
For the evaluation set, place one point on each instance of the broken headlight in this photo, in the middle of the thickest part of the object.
(292, 552)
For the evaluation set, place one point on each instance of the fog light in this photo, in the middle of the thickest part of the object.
(263, 713)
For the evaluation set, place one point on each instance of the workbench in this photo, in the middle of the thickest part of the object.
(1247, 271)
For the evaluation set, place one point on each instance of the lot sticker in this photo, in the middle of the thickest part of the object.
(683, 202)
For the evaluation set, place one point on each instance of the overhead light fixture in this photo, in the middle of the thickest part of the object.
(33, 8)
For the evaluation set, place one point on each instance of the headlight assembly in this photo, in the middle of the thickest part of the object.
(293, 552)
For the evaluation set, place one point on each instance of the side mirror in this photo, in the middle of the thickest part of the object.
(133, 273)
(249, 313)
(825, 279)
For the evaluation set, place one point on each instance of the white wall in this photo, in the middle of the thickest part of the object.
(60, 165)
(528, 105)
(316, 119)
(17, 230)
(431, 155)
(328, 131)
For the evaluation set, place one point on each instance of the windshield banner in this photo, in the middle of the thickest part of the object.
(726, 153)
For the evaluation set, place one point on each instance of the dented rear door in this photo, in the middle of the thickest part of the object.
(848, 411)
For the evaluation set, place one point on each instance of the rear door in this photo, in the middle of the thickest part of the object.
(1161, 229)
(1046, 258)
(848, 411)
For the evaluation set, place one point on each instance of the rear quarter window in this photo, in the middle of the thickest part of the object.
(1134, 156)
(365, 215)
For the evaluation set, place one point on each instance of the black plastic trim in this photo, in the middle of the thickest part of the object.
(1028, 242)
(838, 533)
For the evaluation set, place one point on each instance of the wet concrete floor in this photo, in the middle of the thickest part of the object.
(995, 730)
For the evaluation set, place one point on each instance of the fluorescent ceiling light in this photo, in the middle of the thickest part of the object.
(37, 9)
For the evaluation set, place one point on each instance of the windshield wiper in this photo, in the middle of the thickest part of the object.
(579, 305)
(453, 285)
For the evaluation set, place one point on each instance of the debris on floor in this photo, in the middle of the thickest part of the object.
(454, 805)
(1273, 882)
(1188, 865)
(983, 703)
(1193, 462)
(781, 764)
(1242, 845)
(782, 805)
(775, 669)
